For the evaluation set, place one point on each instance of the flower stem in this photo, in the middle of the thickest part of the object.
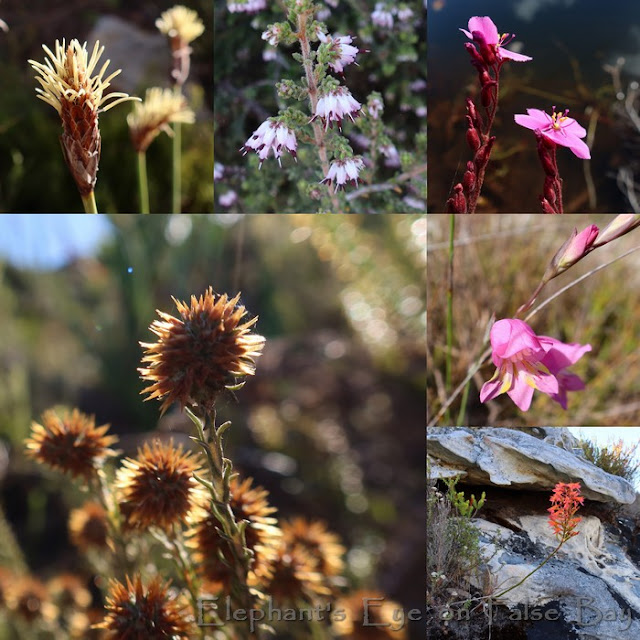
(318, 133)
(89, 203)
(210, 439)
(176, 194)
(452, 230)
(143, 183)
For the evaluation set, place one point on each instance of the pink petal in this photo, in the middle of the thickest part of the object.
(529, 122)
(580, 149)
(486, 26)
(562, 355)
(521, 394)
(574, 128)
(512, 55)
(510, 337)
(490, 390)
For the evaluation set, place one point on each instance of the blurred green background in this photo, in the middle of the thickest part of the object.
(499, 261)
(33, 174)
(332, 424)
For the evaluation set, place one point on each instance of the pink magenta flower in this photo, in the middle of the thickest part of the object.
(343, 171)
(269, 136)
(558, 128)
(487, 32)
(345, 52)
(335, 105)
(525, 361)
(381, 17)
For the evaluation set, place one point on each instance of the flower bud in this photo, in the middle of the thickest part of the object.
(488, 94)
(482, 155)
(457, 203)
(469, 180)
(546, 207)
(476, 58)
(574, 249)
(620, 225)
(486, 51)
(473, 139)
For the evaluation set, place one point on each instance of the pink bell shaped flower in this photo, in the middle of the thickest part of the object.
(526, 362)
(333, 106)
(269, 136)
(558, 128)
(343, 171)
(341, 45)
(484, 32)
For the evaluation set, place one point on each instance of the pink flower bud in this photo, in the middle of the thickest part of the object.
(574, 249)
(549, 191)
(483, 153)
(620, 225)
(476, 58)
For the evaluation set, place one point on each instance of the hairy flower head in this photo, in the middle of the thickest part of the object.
(140, 613)
(69, 85)
(322, 545)
(201, 353)
(70, 443)
(180, 23)
(149, 118)
(158, 487)
(88, 526)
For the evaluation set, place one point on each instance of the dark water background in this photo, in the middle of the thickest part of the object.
(570, 41)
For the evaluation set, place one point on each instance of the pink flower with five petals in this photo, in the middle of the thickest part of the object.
(558, 128)
(488, 32)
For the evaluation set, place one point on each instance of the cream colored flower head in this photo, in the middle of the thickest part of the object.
(180, 22)
(66, 78)
(160, 107)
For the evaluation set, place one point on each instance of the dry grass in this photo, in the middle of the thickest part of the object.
(498, 262)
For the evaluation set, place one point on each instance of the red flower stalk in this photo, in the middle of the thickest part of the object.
(551, 198)
(487, 56)
(565, 502)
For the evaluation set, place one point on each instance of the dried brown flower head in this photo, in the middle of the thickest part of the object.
(27, 597)
(322, 545)
(262, 537)
(149, 118)
(201, 353)
(88, 526)
(67, 84)
(70, 443)
(157, 487)
(136, 613)
(68, 591)
(294, 576)
(369, 615)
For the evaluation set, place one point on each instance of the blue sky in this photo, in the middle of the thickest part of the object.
(48, 241)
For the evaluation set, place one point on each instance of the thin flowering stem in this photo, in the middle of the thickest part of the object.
(448, 369)
(176, 193)
(143, 184)
(318, 133)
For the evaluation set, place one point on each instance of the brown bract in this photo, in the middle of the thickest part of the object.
(262, 537)
(136, 613)
(157, 488)
(70, 443)
(27, 597)
(201, 353)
